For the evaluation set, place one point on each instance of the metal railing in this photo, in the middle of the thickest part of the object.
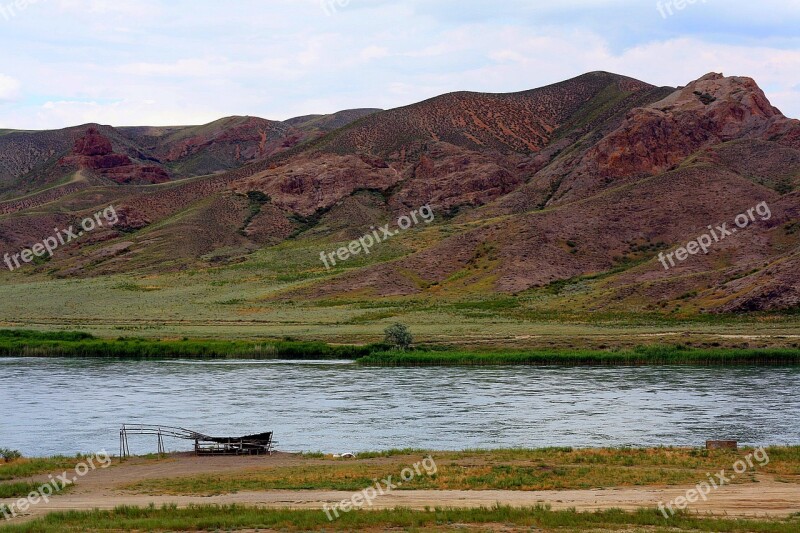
(211, 444)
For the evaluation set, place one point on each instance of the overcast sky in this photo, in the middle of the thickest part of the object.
(164, 62)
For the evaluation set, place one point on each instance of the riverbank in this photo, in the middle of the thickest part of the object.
(23, 343)
(552, 489)
(645, 355)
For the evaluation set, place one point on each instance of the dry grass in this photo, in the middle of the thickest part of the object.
(545, 469)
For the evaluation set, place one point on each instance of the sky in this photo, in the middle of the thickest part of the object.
(177, 62)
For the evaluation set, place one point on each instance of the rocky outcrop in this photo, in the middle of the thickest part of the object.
(309, 185)
(653, 139)
(233, 140)
(93, 151)
(711, 110)
(452, 177)
(93, 144)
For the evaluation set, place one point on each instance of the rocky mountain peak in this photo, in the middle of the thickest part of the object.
(93, 143)
(726, 100)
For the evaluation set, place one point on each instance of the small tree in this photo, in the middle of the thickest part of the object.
(9, 455)
(398, 336)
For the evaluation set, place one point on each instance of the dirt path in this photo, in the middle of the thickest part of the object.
(763, 499)
(100, 489)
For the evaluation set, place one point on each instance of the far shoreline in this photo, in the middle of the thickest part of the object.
(24, 343)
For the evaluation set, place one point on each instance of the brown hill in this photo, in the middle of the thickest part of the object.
(218, 146)
(565, 194)
(516, 122)
(32, 161)
(701, 155)
(458, 150)
(318, 124)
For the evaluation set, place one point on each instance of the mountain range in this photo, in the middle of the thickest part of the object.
(577, 190)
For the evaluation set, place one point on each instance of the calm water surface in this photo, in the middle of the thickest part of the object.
(53, 406)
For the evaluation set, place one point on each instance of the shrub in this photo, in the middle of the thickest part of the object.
(398, 336)
(9, 455)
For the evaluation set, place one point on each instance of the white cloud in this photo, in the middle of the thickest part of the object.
(124, 8)
(373, 52)
(189, 61)
(9, 88)
(121, 113)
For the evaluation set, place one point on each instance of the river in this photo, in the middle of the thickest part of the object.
(64, 406)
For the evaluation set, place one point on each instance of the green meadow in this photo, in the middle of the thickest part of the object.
(540, 518)
(255, 299)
